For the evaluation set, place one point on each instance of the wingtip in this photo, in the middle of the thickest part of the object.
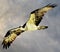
(52, 5)
(5, 45)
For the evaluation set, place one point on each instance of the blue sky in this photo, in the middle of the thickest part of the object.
(14, 13)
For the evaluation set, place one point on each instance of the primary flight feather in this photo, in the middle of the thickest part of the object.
(32, 24)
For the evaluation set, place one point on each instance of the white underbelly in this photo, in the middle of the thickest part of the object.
(31, 27)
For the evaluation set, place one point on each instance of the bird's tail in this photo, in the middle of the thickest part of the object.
(8, 40)
(42, 27)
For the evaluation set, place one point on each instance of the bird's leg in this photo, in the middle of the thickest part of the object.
(42, 27)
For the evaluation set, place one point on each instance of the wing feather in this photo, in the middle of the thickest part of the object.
(11, 36)
(37, 15)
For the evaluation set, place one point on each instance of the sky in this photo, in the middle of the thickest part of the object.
(14, 13)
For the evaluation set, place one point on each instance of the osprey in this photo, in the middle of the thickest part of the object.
(32, 24)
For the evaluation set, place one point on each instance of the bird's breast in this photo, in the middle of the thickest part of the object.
(31, 27)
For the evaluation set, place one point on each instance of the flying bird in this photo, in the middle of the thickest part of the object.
(32, 24)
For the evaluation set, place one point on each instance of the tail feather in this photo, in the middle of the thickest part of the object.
(42, 27)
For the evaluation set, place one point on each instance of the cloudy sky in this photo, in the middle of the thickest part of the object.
(14, 13)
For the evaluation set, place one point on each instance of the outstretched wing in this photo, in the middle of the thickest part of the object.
(37, 15)
(10, 37)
